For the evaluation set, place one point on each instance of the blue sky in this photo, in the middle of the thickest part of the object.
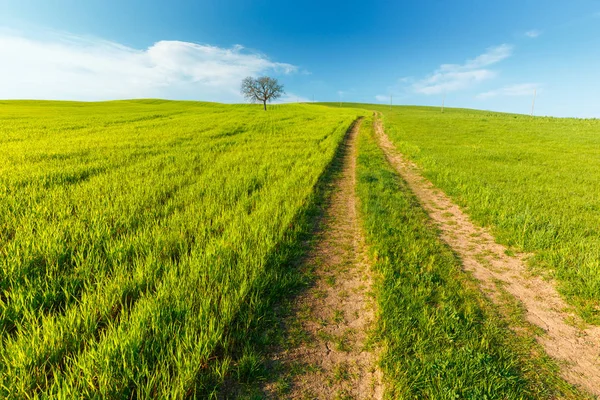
(478, 54)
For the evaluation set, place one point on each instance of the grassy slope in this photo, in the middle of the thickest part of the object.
(535, 181)
(441, 338)
(141, 241)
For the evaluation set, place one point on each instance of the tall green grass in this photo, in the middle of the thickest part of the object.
(139, 240)
(535, 181)
(440, 337)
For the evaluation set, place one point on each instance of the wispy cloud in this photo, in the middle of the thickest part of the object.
(493, 55)
(453, 77)
(522, 89)
(533, 33)
(450, 81)
(382, 98)
(72, 67)
(292, 98)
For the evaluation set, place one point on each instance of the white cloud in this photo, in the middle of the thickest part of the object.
(533, 33)
(441, 82)
(493, 55)
(522, 89)
(76, 68)
(292, 98)
(382, 98)
(453, 77)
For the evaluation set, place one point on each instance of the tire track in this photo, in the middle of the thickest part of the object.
(333, 318)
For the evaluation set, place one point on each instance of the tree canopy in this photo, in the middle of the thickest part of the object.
(261, 89)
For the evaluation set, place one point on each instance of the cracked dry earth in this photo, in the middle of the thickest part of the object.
(330, 322)
(576, 349)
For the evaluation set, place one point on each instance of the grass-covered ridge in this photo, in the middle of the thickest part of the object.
(137, 238)
(440, 338)
(535, 181)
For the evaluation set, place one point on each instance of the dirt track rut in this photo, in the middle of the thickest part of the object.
(337, 312)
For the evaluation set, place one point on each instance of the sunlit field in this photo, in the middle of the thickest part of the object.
(150, 248)
(441, 338)
(139, 240)
(535, 181)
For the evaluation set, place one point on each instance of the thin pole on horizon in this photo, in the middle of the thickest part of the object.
(533, 102)
(391, 100)
(340, 100)
(443, 101)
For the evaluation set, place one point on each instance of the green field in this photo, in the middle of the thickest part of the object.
(144, 244)
(138, 238)
(441, 338)
(534, 181)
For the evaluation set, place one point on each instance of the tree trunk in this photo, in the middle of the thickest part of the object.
(265, 104)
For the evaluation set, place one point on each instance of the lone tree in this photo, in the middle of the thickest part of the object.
(261, 89)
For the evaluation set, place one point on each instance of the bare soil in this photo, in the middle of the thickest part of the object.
(564, 337)
(330, 323)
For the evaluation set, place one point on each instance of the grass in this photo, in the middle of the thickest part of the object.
(535, 181)
(146, 245)
(441, 338)
(141, 242)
